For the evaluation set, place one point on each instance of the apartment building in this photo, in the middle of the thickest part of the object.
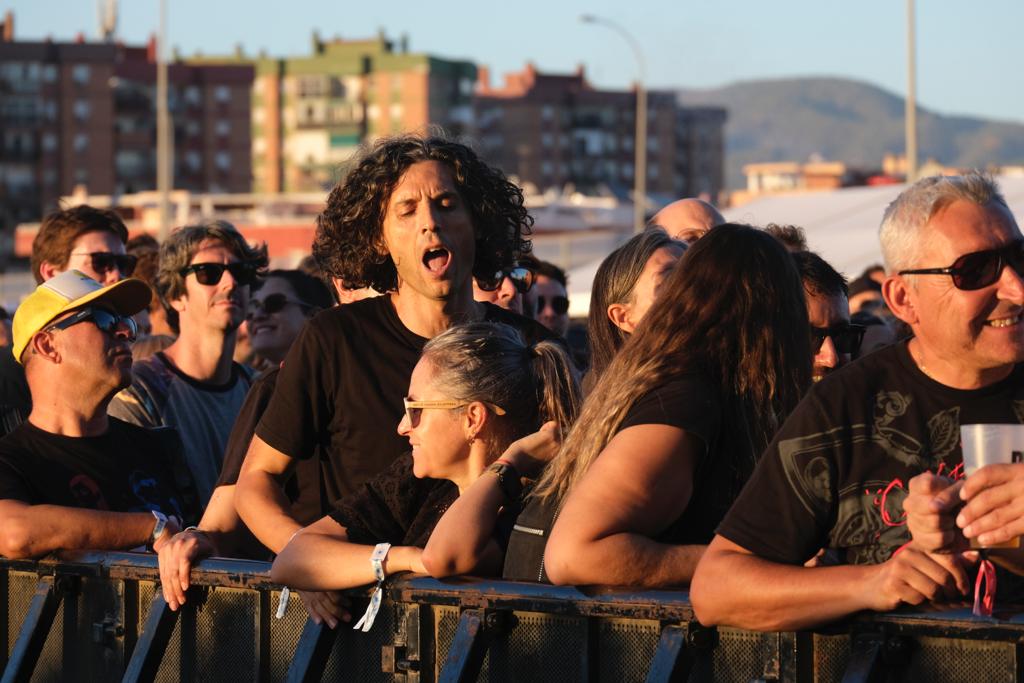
(550, 130)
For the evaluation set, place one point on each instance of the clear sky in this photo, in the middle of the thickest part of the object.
(967, 52)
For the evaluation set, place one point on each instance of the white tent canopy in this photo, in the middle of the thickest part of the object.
(841, 225)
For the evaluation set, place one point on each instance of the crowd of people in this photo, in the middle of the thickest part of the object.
(743, 422)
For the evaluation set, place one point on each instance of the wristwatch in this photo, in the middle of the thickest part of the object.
(161, 523)
(508, 480)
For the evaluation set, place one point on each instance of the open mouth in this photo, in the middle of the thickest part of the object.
(1008, 321)
(436, 260)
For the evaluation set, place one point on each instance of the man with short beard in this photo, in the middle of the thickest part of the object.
(416, 218)
(194, 385)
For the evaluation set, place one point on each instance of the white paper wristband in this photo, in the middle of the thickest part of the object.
(380, 552)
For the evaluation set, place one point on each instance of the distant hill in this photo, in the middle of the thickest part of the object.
(845, 120)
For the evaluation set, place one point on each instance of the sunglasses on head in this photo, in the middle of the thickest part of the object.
(846, 337)
(105, 320)
(210, 273)
(980, 268)
(559, 304)
(105, 261)
(521, 276)
(413, 409)
(272, 303)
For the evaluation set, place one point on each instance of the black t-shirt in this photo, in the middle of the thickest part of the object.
(694, 404)
(124, 470)
(395, 507)
(340, 391)
(15, 399)
(303, 488)
(836, 474)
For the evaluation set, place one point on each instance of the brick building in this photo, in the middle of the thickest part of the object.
(310, 113)
(550, 130)
(83, 114)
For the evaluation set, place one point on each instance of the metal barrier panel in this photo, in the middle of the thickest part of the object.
(465, 630)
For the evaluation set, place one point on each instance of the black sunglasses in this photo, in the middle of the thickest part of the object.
(273, 303)
(846, 337)
(560, 304)
(105, 261)
(211, 273)
(980, 268)
(521, 276)
(105, 320)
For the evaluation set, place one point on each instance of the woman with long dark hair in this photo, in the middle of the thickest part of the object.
(675, 424)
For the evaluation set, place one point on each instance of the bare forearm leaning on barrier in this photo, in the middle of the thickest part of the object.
(733, 587)
(639, 484)
(321, 557)
(35, 530)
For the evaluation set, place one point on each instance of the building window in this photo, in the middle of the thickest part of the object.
(223, 160)
(547, 112)
(223, 128)
(81, 176)
(81, 109)
(192, 95)
(81, 142)
(49, 142)
(80, 73)
(193, 160)
(222, 93)
(50, 73)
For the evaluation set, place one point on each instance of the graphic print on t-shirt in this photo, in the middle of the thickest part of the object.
(870, 519)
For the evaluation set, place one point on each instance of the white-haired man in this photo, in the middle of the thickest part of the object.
(836, 474)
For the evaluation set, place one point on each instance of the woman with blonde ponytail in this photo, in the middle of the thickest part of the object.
(478, 399)
(673, 427)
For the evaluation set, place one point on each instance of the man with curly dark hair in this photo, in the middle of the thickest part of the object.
(415, 218)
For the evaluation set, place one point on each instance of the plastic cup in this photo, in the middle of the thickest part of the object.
(991, 444)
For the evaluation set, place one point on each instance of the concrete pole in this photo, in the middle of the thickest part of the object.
(910, 113)
(163, 128)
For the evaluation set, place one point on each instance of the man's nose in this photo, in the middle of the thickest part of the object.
(1011, 285)
(827, 355)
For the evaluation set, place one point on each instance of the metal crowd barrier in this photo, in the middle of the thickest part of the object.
(101, 617)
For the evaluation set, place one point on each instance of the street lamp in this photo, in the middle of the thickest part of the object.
(640, 142)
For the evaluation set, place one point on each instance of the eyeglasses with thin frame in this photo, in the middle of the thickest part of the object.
(521, 276)
(413, 408)
(210, 274)
(559, 304)
(979, 268)
(272, 303)
(846, 337)
(107, 321)
(106, 261)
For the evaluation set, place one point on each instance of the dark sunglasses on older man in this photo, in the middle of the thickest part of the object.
(846, 337)
(979, 268)
(105, 320)
(105, 261)
(521, 276)
(211, 273)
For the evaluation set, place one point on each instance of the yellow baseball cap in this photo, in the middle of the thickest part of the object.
(70, 290)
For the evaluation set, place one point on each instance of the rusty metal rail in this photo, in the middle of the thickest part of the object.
(101, 617)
